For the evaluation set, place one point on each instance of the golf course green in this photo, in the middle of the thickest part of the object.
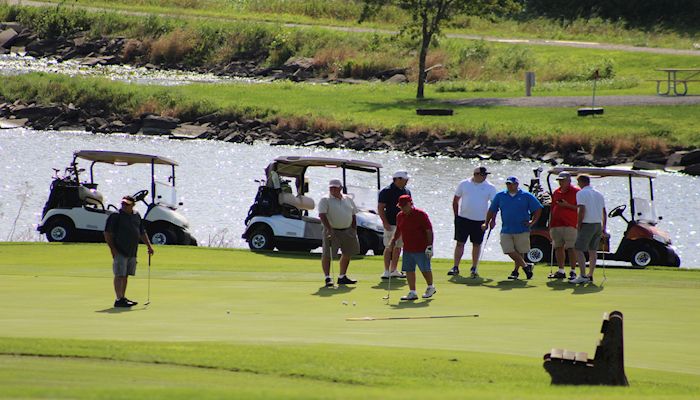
(226, 323)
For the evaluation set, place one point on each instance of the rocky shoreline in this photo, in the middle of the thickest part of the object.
(62, 117)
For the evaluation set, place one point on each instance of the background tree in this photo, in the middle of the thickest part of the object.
(428, 16)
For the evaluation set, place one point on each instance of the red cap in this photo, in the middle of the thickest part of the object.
(403, 200)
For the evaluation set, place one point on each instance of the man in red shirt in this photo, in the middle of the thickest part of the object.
(414, 227)
(562, 226)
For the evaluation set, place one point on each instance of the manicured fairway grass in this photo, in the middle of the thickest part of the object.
(229, 323)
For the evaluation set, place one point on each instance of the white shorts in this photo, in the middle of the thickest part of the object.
(389, 234)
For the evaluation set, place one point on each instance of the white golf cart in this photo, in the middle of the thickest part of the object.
(76, 212)
(279, 217)
(642, 244)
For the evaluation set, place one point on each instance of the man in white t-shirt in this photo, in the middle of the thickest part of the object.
(470, 204)
(592, 221)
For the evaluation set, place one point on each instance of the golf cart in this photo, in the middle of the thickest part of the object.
(279, 217)
(76, 211)
(642, 244)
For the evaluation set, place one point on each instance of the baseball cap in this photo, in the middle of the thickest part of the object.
(563, 175)
(481, 170)
(512, 179)
(128, 200)
(335, 183)
(404, 199)
(400, 174)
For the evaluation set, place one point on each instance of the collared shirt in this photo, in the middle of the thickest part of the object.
(475, 198)
(594, 203)
(413, 228)
(515, 210)
(338, 211)
(126, 229)
(564, 216)
(390, 196)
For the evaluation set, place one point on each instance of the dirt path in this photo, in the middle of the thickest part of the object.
(578, 101)
(534, 42)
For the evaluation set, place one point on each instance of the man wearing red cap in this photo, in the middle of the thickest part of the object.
(414, 227)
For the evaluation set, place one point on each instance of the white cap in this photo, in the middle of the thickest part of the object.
(335, 183)
(400, 174)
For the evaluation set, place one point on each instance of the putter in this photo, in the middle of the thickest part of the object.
(148, 299)
(483, 246)
(388, 287)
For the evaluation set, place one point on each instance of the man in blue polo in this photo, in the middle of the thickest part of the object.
(519, 212)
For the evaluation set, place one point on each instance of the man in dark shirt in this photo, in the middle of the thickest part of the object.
(122, 233)
(387, 210)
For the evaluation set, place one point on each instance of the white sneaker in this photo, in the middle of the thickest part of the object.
(386, 274)
(410, 296)
(398, 274)
(429, 292)
(580, 279)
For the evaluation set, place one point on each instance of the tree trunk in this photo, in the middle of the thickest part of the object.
(425, 43)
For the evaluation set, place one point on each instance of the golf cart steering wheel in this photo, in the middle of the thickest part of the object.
(140, 195)
(617, 211)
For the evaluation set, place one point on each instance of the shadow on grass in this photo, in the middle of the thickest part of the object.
(583, 288)
(412, 304)
(511, 284)
(460, 280)
(395, 284)
(332, 291)
(119, 310)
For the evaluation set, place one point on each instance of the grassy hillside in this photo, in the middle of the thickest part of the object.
(226, 323)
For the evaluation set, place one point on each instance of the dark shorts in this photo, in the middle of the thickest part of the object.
(466, 228)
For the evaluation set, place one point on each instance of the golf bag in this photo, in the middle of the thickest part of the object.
(266, 203)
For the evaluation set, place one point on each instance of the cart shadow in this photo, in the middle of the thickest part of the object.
(395, 284)
(412, 304)
(511, 284)
(332, 291)
(460, 280)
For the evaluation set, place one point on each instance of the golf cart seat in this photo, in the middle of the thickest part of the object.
(90, 196)
(606, 368)
(301, 202)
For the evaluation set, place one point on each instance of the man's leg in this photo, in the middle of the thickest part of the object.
(118, 287)
(326, 265)
(411, 279)
(428, 275)
(592, 259)
(561, 256)
(388, 258)
(476, 251)
(459, 252)
(344, 262)
(581, 258)
(395, 258)
(518, 259)
(572, 259)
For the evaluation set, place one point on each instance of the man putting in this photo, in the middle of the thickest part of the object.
(337, 213)
(592, 222)
(562, 225)
(387, 211)
(414, 227)
(122, 233)
(469, 205)
(520, 210)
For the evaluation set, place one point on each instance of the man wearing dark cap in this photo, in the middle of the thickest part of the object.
(520, 210)
(122, 233)
(414, 227)
(387, 211)
(469, 205)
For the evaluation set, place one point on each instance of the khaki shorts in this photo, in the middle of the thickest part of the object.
(519, 242)
(343, 239)
(123, 265)
(563, 236)
(389, 234)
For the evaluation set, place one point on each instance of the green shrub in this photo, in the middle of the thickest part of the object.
(515, 59)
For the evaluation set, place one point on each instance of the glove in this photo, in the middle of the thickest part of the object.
(429, 251)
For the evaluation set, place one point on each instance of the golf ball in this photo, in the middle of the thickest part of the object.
(228, 311)
(354, 304)
(345, 302)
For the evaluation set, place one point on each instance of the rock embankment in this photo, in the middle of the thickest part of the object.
(244, 130)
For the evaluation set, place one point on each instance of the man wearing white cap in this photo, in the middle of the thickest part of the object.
(337, 213)
(387, 210)
(562, 224)
(470, 204)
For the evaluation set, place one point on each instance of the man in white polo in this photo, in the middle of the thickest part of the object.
(337, 213)
(469, 205)
(592, 222)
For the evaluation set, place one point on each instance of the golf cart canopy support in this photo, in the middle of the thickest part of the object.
(295, 166)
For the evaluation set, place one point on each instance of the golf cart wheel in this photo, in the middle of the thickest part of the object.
(260, 238)
(540, 251)
(163, 235)
(60, 230)
(644, 256)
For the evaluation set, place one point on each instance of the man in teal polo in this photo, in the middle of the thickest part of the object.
(520, 210)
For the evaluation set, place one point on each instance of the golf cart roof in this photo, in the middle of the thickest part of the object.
(117, 157)
(603, 172)
(295, 165)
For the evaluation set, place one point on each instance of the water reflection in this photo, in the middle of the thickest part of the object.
(216, 184)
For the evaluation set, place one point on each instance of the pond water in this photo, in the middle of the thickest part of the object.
(216, 183)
